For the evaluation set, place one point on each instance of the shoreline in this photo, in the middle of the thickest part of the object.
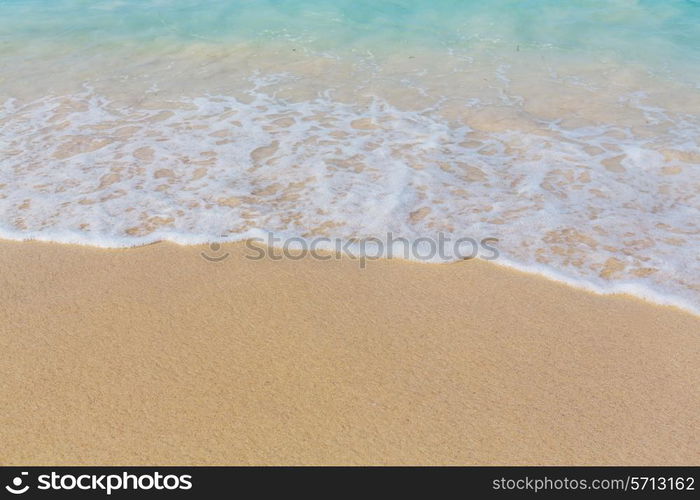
(154, 355)
(631, 290)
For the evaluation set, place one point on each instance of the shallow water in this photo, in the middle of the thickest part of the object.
(566, 130)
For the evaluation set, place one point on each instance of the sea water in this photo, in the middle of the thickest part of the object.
(567, 130)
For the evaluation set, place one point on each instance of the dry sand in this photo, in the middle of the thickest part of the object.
(155, 356)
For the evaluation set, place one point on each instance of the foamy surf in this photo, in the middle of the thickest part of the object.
(583, 165)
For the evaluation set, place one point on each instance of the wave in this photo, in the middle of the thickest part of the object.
(608, 206)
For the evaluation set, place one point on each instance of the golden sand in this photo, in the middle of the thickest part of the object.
(155, 356)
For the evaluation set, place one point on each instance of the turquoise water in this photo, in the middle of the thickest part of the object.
(638, 29)
(568, 130)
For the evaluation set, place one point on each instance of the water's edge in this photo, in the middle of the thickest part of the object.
(261, 237)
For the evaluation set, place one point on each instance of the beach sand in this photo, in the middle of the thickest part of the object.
(154, 355)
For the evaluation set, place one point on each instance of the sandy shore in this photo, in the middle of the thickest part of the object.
(155, 356)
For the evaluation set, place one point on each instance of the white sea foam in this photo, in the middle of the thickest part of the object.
(606, 205)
